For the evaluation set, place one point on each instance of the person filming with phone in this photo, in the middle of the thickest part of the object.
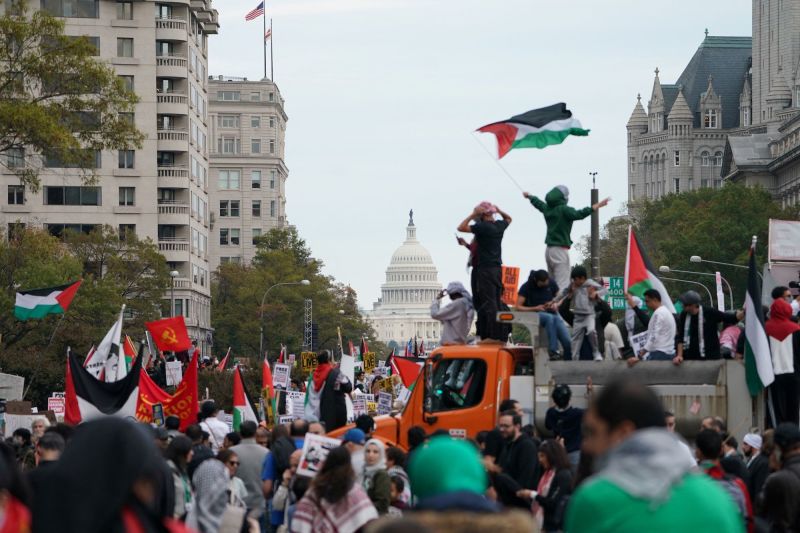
(457, 316)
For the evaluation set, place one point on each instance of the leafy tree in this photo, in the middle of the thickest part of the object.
(56, 98)
(716, 224)
(282, 256)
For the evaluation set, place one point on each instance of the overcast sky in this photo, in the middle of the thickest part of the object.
(383, 97)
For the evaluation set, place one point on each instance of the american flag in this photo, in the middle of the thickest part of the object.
(268, 34)
(257, 12)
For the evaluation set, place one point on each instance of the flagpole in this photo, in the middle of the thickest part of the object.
(271, 58)
(263, 39)
(55, 329)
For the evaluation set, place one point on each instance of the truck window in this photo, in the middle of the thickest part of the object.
(458, 384)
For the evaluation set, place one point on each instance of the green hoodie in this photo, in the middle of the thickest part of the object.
(559, 217)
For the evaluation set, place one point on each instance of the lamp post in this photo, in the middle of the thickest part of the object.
(698, 259)
(173, 274)
(665, 269)
(303, 282)
(710, 298)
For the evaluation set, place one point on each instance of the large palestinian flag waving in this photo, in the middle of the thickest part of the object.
(38, 303)
(242, 406)
(87, 397)
(535, 129)
(759, 372)
(640, 274)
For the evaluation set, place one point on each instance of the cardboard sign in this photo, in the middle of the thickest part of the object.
(308, 361)
(510, 277)
(174, 373)
(57, 405)
(372, 407)
(281, 376)
(359, 405)
(370, 362)
(286, 419)
(315, 450)
(638, 342)
(384, 403)
(18, 408)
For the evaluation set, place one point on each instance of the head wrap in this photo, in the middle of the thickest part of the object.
(446, 465)
(487, 208)
(371, 470)
(780, 324)
(753, 440)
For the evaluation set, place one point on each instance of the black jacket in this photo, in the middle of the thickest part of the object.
(759, 470)
(332, 406)
(520, 464)
(711, 320)
(554, 502)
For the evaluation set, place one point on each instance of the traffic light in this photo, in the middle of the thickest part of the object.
(314, 336)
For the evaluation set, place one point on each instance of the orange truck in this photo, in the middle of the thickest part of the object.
(460, 388)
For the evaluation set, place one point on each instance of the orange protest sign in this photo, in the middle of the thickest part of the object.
(510, 278)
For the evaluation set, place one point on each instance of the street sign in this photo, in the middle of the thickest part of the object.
(616, 293)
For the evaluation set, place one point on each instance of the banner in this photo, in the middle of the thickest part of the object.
(182, 404)
(170, 334)
(510, 277)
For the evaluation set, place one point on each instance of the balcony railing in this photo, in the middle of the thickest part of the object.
(173, 244)
(171, 98)
(173, 135)
(170, 61)
(183, 283)
(171, 24)
(173, 209)
(173, 172)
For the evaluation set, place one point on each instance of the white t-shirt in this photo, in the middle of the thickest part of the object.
(217, 429)
(661, 332)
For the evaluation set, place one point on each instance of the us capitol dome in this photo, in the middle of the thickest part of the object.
(403, 310)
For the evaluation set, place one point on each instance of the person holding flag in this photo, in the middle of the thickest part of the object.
(326, 394)
(697, 336)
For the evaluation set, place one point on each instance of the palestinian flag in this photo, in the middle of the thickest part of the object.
(87, 397)
(38, 303)
(222, 364)
(242, 406)
(757, 357)
(363, 348)
(130, 351)
(408, 369)
(640, 274)
(535, 129)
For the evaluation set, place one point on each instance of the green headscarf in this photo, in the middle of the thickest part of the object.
(446, 465)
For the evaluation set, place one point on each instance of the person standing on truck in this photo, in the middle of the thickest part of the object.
(660, 345)
(643, 482)
(582, 295)
(564, 421)
(697, 335)
(559, 218)
(784, 343)
(539, 294)
(457, 317)
(487, 283)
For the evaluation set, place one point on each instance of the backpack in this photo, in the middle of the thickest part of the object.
(281, 451)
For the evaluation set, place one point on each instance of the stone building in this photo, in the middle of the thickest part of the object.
(247, 127)
(403, 310)
(160, 191)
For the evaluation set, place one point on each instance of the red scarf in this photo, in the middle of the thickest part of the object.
(780, 324)
(321, 374)
(17, 519)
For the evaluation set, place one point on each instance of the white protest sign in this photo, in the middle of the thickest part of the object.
(404, 396)
(297, 400)
(384, 403)
(382, 371)
(315, 450)
(347, 366)
(291, 359)
(381, 363)
(280, 376)
(286, 419)
(359, 405)
(174, 373)
(638, 342)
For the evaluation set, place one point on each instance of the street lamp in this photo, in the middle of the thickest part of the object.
(698, 259)
(693, 283)
(303, 282)
(665, 269)
(173, 274)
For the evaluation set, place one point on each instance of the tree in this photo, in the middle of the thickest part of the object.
(282, 256)
(114, 271)
(57, 100)
(716, 224)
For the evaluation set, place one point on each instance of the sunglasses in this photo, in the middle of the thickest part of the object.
(233, 463)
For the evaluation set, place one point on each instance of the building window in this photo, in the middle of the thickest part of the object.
(229, 208)
(255, 97)
(16, 194)
(677, 158)
(676, 185)
(126, 230)
(228, 179)
(710, 119)
(127, 196)
(15, 157)
(126, 158)
(163, 11)
(690, 184)
(272, 174)
(223, 237)
(57, 230)
(704, 159)
(164, 48)
(255, 121)
(127, 81)
(633, 164)
(746, 117)
(85, 9)
(228, 96)
(272, 146)
(271, 122)
(255, 146)
(633, 191)
(255, 179)
(717, 159)
(229, 121)
(124, 10)
(272, 208)
(256, 209)
(72, 196)
(124, 47)
(256, 235)
(271, 97)
(234, 236)
(228, 145)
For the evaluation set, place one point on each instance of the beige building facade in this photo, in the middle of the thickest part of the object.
(247, 189)
(160, 50)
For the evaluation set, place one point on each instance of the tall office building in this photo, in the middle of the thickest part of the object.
(160, 50)
(247, 127)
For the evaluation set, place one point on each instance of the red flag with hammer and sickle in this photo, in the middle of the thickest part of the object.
(170, 334)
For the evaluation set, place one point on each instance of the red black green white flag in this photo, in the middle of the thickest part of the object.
(38, 303)
(242, 406)
(537, 128)
(759, 372)
(640, 274)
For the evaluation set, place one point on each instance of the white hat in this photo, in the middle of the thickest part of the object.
(753, 440)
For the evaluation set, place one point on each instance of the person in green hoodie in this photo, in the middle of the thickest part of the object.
(643, 480)
(559, 218)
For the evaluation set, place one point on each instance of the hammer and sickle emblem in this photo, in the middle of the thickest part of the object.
(169, 336)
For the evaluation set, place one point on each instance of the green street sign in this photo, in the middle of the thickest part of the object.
(616, 293)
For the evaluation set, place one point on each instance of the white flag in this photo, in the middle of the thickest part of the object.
(105, 358)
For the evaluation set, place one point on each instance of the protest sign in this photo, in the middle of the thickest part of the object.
(57, 404)
(510, 278)
(381, 363)
(347, 366)
(174, 373)
(359, 405)
(308, 361)
(286, 419)
(384, 403)
(315, 450)
(280, 376)
(382, 371)
(638, 342)
(372, 407)
(158, 414)
(290, 359)
(297, 400)
(370, 361)
(404, 395)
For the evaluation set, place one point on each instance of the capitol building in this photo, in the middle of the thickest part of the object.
(403, 310)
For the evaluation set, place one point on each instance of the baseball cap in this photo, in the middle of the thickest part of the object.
(355, 435)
